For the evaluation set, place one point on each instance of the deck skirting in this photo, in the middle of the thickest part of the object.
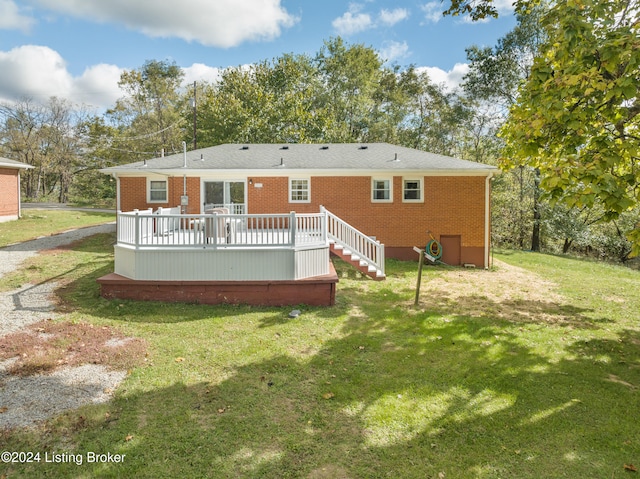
(314, 291)
(222, 264)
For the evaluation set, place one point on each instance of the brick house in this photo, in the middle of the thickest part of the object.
(10, 188)
(392, 193)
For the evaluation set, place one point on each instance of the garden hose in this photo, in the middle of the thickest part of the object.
(434, 249)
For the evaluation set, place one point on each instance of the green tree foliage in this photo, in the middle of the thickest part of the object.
(576, 118)
(352, 78)
(268, 102)
(47, 136)
(150, 116)
(344, 94)
(494, 76)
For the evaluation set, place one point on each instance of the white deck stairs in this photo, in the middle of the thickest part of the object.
(364, 253)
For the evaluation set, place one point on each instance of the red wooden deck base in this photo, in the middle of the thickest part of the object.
(316, 291)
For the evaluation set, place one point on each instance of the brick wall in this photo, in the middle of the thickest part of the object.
(452, 205)
(9, 198)
(133, 194)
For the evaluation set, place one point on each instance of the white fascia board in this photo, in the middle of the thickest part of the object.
(273, 172)
(15, 166)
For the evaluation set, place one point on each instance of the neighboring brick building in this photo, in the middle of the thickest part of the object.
(393, 193)
(10, 188)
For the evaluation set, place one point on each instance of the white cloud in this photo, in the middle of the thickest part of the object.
(12, 19)
(219, 23)
(33, 70)
(352, 21)
(98, 86)
(392, 17)
(432, 11)
(39, 72)
(199, 72)
(451, 79)
(504, 7)
(394, 50)
(355, 20)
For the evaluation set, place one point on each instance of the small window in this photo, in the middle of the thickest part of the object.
(157, 191)
(381, 190)
(412, 191)
(299, 191)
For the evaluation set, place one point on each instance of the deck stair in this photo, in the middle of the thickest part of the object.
(364, 253)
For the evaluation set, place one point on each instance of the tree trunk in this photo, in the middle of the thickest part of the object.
(535, 234)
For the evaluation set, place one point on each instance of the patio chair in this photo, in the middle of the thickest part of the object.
(165, 226)
(223, 226)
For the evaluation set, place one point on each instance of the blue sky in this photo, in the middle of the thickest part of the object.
(77, 49)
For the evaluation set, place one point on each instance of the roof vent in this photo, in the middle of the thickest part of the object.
(285, 147)
(325, 147)
(396, 158)
(281, 161)
(364, 147)
(201, 156)
(245, 147)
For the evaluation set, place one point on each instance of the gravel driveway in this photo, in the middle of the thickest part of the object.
(26, 400)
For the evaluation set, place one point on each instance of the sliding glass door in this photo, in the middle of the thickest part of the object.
(225, 194)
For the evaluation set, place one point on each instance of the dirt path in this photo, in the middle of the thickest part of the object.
(25, 400)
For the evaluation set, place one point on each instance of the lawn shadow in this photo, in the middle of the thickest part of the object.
(457, 387)
(465, 398)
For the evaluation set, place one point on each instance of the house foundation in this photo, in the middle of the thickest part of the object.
(314, 291)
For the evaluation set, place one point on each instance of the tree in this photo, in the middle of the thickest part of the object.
(576, 118)
(495, 75)
(48, 137)
(150, 116)
(351, 75)
(276, 101)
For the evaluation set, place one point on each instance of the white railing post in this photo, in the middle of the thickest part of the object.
(214, 222)
(137, 230)
(292, 228)
(119, 235)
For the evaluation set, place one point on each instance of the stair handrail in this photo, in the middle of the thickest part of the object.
(345, 235)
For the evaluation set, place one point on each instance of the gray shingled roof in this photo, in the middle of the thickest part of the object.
(7, 163)
(333, 156)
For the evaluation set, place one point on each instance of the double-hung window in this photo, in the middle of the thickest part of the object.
(412, 190)
(299, 190)
(381, 190)
(157, 191)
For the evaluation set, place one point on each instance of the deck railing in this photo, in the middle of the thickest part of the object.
(359, 244)
(143, 229)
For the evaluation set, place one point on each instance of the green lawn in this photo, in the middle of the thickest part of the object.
(529, 371)
(35, 223)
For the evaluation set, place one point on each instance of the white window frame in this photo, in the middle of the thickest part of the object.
(420, 190)
(166, 190)
(291, 190)
(373, 190)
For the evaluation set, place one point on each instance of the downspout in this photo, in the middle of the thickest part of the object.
(487, 218)
(184, 177)
(19, 197)
(117, 178)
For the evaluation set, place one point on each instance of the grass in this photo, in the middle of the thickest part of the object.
(528, 371)
(35, 223)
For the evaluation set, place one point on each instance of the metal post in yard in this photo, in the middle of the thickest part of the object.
(420, 264)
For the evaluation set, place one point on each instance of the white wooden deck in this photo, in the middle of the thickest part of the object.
(144, 229)
(168, 246)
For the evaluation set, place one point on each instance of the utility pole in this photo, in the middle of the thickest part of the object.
(195, 143)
